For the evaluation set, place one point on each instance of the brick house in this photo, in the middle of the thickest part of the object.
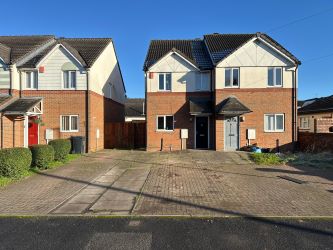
(57, 88)
(316, 115)
(222, 92)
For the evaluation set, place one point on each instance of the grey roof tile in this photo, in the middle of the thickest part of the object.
(232, 106)
(134, 107)
(317, 105)
(21, 105)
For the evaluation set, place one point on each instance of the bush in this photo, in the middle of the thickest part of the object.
(14, 161)
(42, 155)
(266, 158)
(61, 148)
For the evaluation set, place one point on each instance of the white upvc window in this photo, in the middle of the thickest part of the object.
(164, 82)
(274, 122)
(231, 77)
(304, 123)
(69, 79)
(202, 82)
(164, 122)
(69, 123)
(275, 77)
(31, 79)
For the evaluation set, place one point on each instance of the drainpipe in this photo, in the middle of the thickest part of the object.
(20, 78)
(10, 79)
(87, 112)
(294, 109)
(1, 130)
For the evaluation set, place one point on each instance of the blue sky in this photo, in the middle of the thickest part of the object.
(132, 24)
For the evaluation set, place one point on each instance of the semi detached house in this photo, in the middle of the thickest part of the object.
(222, 92)
(57, 88)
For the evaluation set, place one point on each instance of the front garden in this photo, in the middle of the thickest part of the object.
(18, 163)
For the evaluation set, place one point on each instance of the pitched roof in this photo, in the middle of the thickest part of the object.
(222, 45)
(20, 46)
(85, 50)
(134, 107)
(232, 106)
(318, 105)
(193, 50)
(4, 99)
(21, 105)
(200, 105)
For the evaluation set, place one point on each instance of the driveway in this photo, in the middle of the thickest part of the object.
(199, 183)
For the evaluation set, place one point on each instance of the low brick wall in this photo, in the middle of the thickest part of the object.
(315, 142)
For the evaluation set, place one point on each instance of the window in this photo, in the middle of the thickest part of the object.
(232, 77)
(274, 123)
(69, 123)
(304, 123)
(31, 78)
(202, 81)
(165, 122)
(69, 79)
(274, 77)
(164, 83)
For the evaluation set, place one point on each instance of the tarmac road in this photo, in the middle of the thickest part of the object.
(164, 233)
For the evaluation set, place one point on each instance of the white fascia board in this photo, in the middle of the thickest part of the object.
(170, 53)
(50, 53)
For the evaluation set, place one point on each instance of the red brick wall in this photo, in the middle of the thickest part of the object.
(260, 101)
(323, 125)
(13, 135)
(175, 103)
(56, 103)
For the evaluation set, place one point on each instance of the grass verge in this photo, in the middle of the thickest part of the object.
(4, 181)
(266, 159)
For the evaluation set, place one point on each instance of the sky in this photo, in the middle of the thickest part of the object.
(303, 27)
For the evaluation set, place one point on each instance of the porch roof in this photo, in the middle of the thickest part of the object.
(200, 105)
(21, 106)
(232, 106)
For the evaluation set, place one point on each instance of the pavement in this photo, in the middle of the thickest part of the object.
(164, 233)
(187, 183)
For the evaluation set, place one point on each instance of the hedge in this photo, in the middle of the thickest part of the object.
(14, 161)
(61, 148)
(42, 155)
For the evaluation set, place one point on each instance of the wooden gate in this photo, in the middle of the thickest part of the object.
(125, 135)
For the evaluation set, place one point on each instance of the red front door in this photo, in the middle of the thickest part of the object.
(32, 131)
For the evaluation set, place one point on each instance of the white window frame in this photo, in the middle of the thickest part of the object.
(301, 122)
(70, 124)
(232, 77)
(275, 129)
(274, 77)
(164, 86)
(33, 77)
(69, 78)
(164, 125)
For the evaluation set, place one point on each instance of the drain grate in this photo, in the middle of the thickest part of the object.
(288, 178)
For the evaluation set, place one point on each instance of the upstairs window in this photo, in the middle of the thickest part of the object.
(231, 79)
(69, 123)
(164, 82)
(275, 77)
(31, 79)
(165, 122)
(69, 79)
(202, 82)
(274, 123)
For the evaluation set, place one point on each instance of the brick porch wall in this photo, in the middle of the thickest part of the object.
(171, 103)
(13, 134)
(260, 101)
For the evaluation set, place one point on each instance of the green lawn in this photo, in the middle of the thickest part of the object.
(55, 164)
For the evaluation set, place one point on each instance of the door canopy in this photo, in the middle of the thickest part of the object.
(232, 107)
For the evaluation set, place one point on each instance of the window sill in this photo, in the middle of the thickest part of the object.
(164, 131)
(164, 90)
(275, 131)
(70, 131)
(277, 86)
(235, 87)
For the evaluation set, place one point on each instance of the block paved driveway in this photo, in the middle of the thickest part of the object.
(178, 183)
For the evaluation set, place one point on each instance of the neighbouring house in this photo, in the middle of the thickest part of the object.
(135, 110)
(222, 92)
(316, 115)
(57, 88)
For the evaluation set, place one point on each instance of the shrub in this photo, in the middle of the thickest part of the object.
(61, 148)
(266, 158)
(42, 155)
(14, 161)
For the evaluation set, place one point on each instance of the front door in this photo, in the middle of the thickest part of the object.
(201, 124)
(231, 134)
(32, 131)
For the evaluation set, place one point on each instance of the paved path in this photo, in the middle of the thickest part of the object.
(196, 183)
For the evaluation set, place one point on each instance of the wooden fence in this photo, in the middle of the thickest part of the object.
(315, 142)
(125, 135)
